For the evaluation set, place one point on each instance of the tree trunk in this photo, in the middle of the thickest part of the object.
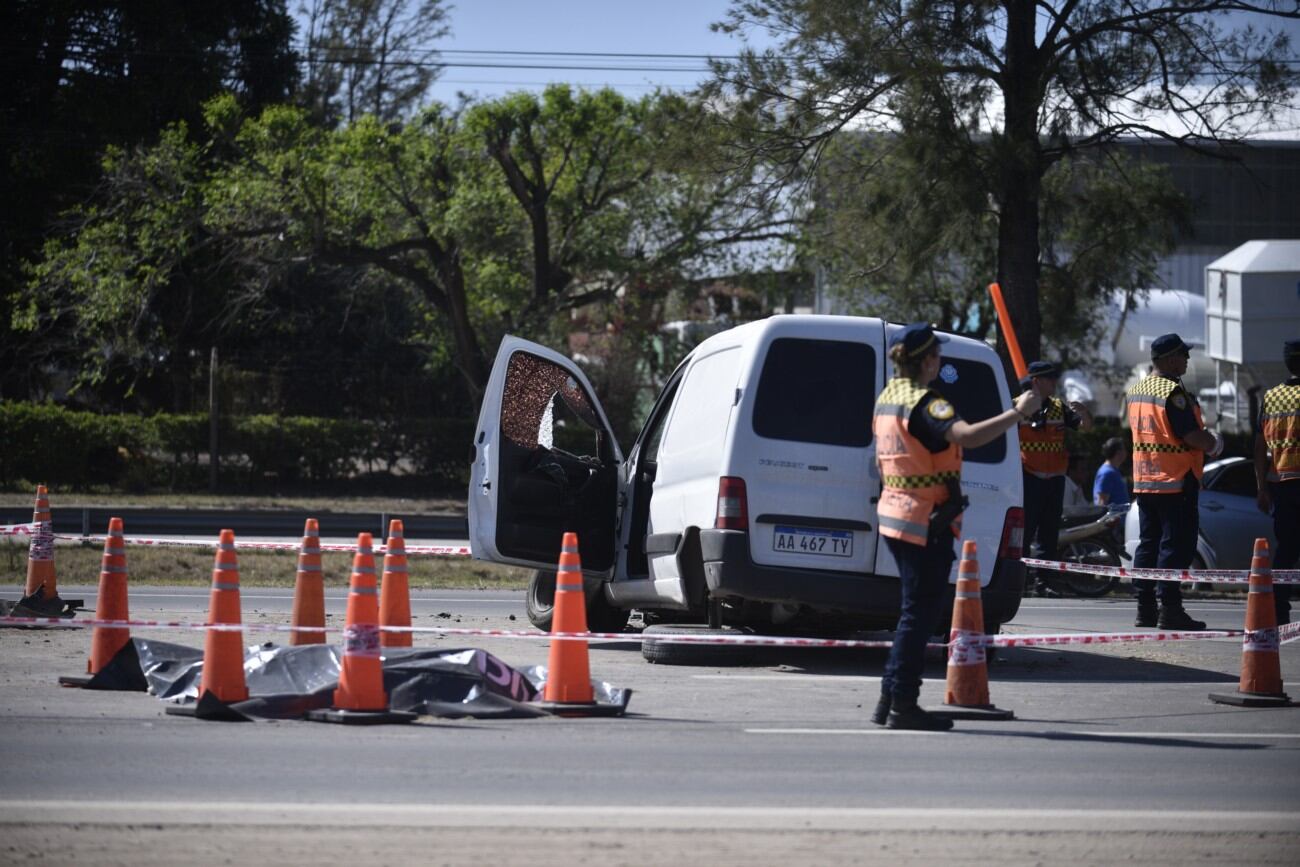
(1020, 179)
(473, 366)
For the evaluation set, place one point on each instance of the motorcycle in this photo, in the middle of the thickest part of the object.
(1089, 534)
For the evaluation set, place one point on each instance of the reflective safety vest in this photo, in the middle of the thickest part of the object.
(1160, 459)
(1042, 446)
(1282, 430)
(914, 477)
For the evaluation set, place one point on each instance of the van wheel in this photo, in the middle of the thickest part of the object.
(695, 654)
(540, 605)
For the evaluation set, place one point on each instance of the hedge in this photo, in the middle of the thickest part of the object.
(63, 447)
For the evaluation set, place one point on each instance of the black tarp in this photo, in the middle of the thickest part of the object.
(287, 682)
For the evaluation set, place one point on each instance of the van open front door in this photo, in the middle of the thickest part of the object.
(545, 462)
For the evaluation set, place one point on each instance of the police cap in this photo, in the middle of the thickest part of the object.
(1044, 369)
(917, 339)
(1168, 344)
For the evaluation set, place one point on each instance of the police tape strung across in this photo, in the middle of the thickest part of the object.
(1285, 634)
(1214, 576)
(425, 550)
(18, 529)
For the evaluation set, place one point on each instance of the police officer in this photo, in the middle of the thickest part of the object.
(1169, 448)
(919, 439)
(1277, 471)
(1043, 458)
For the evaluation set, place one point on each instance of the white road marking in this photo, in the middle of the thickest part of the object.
(787, 678)
(1260, 736)
(702, 817)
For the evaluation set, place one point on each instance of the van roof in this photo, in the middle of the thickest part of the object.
(798, 321)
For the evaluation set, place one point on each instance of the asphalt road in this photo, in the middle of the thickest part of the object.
(1115, 753)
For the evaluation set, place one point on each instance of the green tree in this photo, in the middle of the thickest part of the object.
(1009, 89)
(601, 204)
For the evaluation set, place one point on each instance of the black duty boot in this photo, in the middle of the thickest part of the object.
(1148, 614)
(906, 715)
(1177, 618)
(880, 715)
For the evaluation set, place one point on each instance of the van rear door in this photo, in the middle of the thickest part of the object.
(805, 446)
(544, 462)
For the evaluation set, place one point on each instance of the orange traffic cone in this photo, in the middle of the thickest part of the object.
(107, 641)
(967, 695)
(40, 556)
(309, 588)
(360, 697)
(1261, 665)
(222, 682)
(568, 672)
(395, 590)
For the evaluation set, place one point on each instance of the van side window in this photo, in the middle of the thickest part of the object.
(972, 388)
(817, 391)
(703, 403)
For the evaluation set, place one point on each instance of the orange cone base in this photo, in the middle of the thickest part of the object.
(121, 673)
(208, 707)
(973, 711)
(360, 717)
(1252, 699)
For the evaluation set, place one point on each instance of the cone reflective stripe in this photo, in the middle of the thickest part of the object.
(309, 587)
(40, 553)
(1261, 664)
(568, 677)
(223, 650)
(361, 676)
(111, 604)
(967, 691)
(394, 590)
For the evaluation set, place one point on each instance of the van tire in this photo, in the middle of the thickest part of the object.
(695, 654)
(539, 602)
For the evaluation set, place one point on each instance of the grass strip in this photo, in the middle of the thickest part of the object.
(186, 567)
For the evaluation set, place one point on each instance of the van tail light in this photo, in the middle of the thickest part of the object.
(733, 508)
(1013, 534)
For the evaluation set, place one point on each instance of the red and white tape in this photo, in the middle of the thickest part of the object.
(411, 550)
(1285, 634)
(18, 529)
(1216, 576)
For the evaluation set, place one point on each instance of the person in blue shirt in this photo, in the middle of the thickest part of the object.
(1109, 487)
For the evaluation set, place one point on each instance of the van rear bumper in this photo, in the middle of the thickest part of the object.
(730, 571)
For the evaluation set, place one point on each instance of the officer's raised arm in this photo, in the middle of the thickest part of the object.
(971, 435)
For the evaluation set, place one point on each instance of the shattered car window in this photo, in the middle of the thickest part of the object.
(543, 405)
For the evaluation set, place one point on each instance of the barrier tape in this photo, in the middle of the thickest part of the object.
(1285, 634)
(18, 529)
(418, 550)
(1216, 576)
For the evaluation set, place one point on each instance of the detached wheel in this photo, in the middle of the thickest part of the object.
(695, 654)
(540, 604)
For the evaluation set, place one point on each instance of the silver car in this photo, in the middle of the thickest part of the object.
(1230, 520)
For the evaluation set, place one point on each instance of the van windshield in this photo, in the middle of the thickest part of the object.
(972, 388)
(817, 391)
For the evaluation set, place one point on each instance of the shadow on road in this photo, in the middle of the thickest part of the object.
(1103, 738)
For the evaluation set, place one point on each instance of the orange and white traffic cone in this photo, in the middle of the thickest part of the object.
(568, 670)
(309, 589)
(967, 693)
(222, 682)
(107, 641)
(360, 698)
(395, 590)
(41, 591)
(1261, 664)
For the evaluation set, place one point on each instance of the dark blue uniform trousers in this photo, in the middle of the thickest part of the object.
(1167, 529)
(923, 577)
(1286, 530)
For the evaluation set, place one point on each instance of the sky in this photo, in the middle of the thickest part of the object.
(637, 27)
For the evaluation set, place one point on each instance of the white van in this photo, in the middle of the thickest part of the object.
(749, 495)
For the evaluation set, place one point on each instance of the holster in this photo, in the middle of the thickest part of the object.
(942, 517)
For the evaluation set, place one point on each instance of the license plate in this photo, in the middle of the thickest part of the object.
(813, 540)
